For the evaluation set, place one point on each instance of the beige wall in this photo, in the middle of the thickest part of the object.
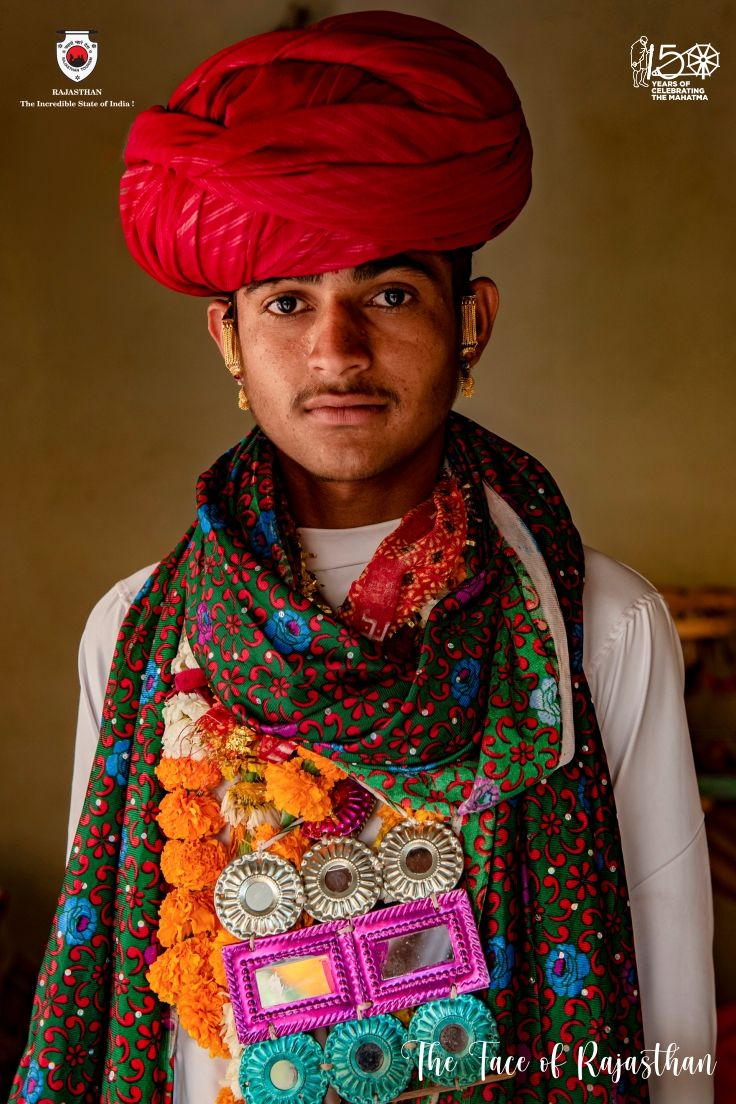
(609, 360)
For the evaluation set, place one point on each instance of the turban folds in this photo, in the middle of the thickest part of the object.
(299, 152)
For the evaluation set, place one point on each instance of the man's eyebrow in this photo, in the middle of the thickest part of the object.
(256, 284)
(369, 270)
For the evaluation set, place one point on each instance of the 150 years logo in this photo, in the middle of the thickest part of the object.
(77, 54)
(669, 72)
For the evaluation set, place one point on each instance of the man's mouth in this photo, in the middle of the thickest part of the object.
(354, 409)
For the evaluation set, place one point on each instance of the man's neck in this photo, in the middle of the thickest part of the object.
(331, 504)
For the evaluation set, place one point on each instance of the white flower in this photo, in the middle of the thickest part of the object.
(251, 816)
(179, 715)
(184, 659)
(232, 813)
(232, 1080)
(236, 1048)
(263, 814)
(229, 1033)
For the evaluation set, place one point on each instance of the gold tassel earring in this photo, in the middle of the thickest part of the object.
(468, 327)
(468, 344)
(467, 383)
(231, 353)
(230, 348)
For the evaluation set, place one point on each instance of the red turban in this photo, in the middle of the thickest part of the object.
(298, 152)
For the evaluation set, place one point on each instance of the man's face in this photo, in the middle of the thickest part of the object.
(352, 373)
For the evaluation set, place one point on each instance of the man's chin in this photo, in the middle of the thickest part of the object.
(357, 472)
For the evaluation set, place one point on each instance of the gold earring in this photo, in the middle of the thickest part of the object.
(243, 399)
(467, 383)
(230, 348)
(468, 327)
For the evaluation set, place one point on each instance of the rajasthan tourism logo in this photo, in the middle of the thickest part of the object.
(77, 54)
(669, 73)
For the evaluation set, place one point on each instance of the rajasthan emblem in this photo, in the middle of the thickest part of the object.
(77, 54)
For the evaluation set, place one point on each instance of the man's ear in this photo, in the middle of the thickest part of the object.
(486, 308)
(216, 311)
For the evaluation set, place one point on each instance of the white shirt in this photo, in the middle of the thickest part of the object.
(633, 662)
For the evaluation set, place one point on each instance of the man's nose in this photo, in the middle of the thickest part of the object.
(339, 343)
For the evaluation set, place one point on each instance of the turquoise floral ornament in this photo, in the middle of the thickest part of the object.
(500, 956)
(369, 1064)
(566, 969)
(77, 921)
(117, 763)
(34, 1083)
(283, 1071)
(265, 534)
(465, 681)
(150, 678)
(210, 518)
(456, 1030)
(545, 701)
(288, 632)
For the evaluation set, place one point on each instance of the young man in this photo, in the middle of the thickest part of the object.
(375, 586)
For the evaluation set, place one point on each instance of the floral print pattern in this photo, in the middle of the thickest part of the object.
(77, 921)
(555, 923)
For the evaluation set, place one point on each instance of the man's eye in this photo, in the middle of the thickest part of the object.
(392, 297)
(285, 304)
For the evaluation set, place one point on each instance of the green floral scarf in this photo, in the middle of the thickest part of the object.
(487, 720)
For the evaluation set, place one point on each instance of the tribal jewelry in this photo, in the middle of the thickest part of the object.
(230, 348)
(468, 326)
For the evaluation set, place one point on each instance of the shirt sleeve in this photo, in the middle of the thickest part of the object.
(635, 670)
(95, 658)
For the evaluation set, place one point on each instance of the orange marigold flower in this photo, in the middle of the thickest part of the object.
(329, 770)
(193, 864)
(237, 835)
(296, 791)
(184, 913)
(389, 819)
(192, 774)
(200, 1013)
(225, 1096)
(189, 816)
(180, 967)
(423, 815)
(292, 847)
(222, 939)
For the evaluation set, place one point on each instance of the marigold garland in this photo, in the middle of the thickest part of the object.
(225, 1096)
(297, 791)
(222, 939)
(424, 816)
(189, 816)
(180, 967)
(193, 865)
(185, 912)
(200, 1013)
(191, 774)
(389, 819)
(292, 847)
(189, 973)
(328, 770)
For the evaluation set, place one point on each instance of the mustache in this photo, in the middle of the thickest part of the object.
(364, 391)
